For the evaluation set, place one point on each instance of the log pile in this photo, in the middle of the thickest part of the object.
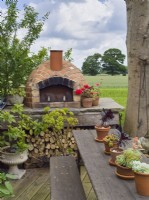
(46, 144)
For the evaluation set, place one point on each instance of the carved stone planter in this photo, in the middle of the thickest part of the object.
(13, 160)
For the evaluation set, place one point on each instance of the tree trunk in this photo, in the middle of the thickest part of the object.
(137, 112)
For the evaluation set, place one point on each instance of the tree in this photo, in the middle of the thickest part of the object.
(112, 62)
(92, 65)
(16, 60)
(68, 55)
(137, 112)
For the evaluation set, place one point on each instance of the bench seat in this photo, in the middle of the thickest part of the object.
(65, 179)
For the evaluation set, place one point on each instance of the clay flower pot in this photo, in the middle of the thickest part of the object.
(76, 98)
(87, 102)
(96, 101)
(108, 148)
(115, 151)
(142, 183)
(124, 172)
(101, 132)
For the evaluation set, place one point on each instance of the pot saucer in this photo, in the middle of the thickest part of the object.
(106, 152)
(97, 140)
(111, 162)
(124, 177)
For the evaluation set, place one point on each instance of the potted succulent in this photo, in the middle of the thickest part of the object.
(16, 96)
(110, 141)
(115, 151)
(103, 127)
(13, 147)
(87, 96)
(6, 189)
(124, 163)
(141, 173)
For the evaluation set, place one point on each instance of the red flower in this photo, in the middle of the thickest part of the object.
(86, 86)
(97, 84)
(78, 91)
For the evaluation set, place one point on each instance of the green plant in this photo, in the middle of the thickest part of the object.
(6, 189)
(111, 139)
(129, 155)
(95, 89)
(17, 123)
(106, 116)
(57, 120)
(138, 166)
(16, 59)
(20, 91)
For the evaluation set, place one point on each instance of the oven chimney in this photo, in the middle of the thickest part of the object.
(56, 60)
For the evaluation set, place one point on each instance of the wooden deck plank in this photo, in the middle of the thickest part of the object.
(43, 192)
(92, 195)
(87, 188)
(48, 197)
(21, 185)
(34, 187)
(82, 173)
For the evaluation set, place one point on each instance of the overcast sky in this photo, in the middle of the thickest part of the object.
(86, 26)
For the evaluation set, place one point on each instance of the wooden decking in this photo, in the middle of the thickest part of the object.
(35, 185)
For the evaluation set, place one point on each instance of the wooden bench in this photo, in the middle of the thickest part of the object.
(65, 179)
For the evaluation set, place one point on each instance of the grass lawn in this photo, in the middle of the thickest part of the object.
(114, 87)
(107, 81)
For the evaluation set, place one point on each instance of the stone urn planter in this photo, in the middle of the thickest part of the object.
(13, 160)
(115, 151)
(87, 102)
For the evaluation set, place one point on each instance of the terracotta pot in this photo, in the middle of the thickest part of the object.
(115, 151)
(102, 132)
(142, 183)
(87, 102)
(96, 101)
(76, 97)
(124, 172)
(107, 148)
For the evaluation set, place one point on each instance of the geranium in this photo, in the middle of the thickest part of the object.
(78, 91)
(87, 91)
(96, 90)
(86, 86)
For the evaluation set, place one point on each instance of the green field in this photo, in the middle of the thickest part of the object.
(108, 81)
(115, 87)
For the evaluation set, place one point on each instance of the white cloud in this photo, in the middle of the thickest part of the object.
(86, 26)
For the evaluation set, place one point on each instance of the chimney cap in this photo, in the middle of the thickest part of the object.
(56, 50)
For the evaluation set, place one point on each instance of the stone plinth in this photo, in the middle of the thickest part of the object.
(86, 116)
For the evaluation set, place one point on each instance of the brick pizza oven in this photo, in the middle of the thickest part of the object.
(53, 83)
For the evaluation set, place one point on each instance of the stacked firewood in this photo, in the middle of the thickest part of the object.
(47, 144)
